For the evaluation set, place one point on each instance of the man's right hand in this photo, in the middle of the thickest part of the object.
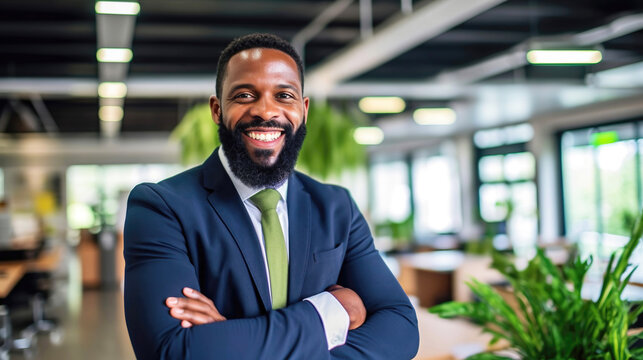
(352, 303)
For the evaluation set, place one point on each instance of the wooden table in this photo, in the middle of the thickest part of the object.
(429, 275)
(12, 271)
(10, 274)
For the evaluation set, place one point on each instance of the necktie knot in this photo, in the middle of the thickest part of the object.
(266, 199)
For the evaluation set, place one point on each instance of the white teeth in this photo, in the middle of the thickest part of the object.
(263, 136)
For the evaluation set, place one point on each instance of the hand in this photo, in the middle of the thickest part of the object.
(352, 303)
(194, 309)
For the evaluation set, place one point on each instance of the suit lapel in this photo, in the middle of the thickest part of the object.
(227, 204)
(299, 211)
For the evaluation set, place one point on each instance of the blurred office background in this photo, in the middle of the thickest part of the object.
(461, 138)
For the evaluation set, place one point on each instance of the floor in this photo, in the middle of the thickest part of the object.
(91, 322)
(92, 329)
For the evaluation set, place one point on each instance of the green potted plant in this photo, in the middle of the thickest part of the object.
(550, 320)
(329, 147)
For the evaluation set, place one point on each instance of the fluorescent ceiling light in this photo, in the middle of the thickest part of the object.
(110, 113)
(434, 116)
(117, 8)
(112, 90)
(368, 135)
(120, 55)
(564, 56)
(382, 104)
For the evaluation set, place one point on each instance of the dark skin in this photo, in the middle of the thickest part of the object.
(260, 83)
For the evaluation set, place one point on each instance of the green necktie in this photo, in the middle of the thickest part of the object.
(266, 200)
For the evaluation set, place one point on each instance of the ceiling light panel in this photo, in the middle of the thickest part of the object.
(110, 113)
(553, 57)
(434, 116)
(382, 104)
(368, 135)
(117, 8)
(118, 55)
(112, 90)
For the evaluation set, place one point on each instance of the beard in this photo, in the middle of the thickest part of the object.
(258, 174)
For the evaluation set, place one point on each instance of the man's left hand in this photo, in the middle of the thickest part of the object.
(194, 309)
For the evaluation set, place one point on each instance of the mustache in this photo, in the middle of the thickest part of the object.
(258, 122)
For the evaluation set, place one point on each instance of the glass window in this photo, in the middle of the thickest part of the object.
(490, 168)
(515, 134)
(519, 166)
(391, 193)
(493, 202)
(508, 197)
(601, 170)
(579, 190)
(601, 186)
(436, 198)
(618, 186)
(96, 195)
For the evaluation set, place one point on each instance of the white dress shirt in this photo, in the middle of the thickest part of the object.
(332, 314)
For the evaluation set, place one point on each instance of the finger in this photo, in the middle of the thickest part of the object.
(186, 324)
(171, 302)
(195, 318)
(194, 305)
(190, 308)
(194, 294)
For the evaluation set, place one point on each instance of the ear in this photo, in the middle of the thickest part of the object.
(306, 103)
(215, 109)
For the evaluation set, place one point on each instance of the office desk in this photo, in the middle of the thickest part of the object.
(10, 274)
(12, 271)
(429, 275)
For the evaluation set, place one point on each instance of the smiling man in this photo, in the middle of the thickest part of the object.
(244, 258)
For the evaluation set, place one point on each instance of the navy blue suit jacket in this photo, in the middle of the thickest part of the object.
(193, 230)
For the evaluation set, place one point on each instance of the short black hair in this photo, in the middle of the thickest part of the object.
(252, 41)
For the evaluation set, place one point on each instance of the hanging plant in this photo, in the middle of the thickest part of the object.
(552, 320)
(329, 147)
(197, 134)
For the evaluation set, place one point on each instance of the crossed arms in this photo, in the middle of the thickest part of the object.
(158, 267)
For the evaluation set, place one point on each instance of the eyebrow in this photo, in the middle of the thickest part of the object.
(287, 86)
(251, 86)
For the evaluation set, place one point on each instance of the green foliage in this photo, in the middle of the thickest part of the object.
(401, 232)
(329, 147)
(197, 134)
(553, 321)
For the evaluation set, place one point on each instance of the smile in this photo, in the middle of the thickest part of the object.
(264, 136)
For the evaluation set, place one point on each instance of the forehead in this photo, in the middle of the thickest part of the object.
(259, 63)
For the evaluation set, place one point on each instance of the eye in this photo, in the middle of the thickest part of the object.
(285, 95)
(242, 96)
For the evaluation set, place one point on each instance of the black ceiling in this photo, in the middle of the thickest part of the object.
(57, 39)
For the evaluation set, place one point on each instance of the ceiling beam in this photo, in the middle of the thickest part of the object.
(516, 57)
(393, 38)
(318, 24)
(202, 86)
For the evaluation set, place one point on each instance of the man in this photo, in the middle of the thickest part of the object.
(212, 272)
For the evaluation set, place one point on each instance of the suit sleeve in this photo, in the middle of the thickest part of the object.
(391, 330)
(158, 266)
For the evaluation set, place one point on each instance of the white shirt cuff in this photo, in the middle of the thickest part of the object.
(333, 316)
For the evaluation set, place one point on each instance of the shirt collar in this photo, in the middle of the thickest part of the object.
(245, 191)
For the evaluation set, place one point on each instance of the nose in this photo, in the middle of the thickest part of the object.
(265, 108)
